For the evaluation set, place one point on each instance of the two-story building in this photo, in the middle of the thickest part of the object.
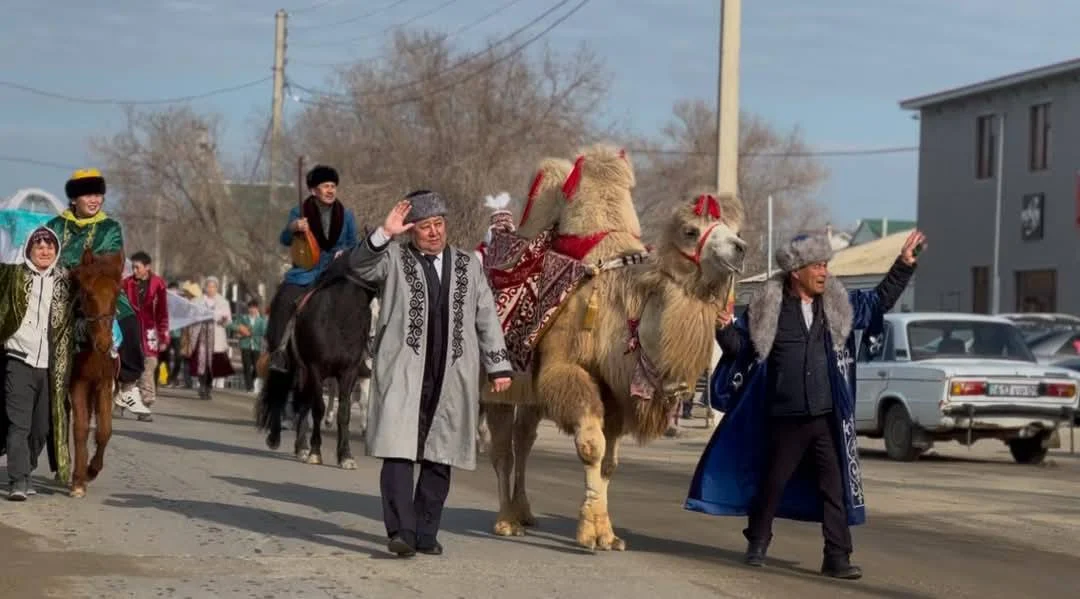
(1016, 138)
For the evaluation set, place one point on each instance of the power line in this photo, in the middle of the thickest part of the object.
(471, 57)
(315, 6)
(82, 100)
(408, 21)
(491, 65)
(494, 12)
(371, 13)
(32, 162)
(852, 152)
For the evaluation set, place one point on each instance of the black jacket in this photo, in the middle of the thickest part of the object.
(798, 361)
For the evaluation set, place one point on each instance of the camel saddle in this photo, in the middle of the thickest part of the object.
(530, 282)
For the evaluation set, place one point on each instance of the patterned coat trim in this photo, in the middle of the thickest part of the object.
(416, 301)
(461, 286)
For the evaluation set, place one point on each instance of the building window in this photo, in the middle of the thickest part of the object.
(1039, 154)
(1036, 291)
(980, 289)
(985, 146)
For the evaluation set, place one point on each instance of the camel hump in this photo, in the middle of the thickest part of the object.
(544, 203)
(604, 164)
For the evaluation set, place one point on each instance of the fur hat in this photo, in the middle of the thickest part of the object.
(321, 174)
(425, 204)
(803, 250)
(84, 182)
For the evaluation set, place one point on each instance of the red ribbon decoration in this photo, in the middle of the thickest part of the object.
(707, 202)
(569, 188)
(535, 187)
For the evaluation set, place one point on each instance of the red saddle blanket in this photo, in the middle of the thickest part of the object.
(530, 282)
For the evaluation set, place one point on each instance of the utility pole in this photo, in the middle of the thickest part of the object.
(727, 98)
(157, 257)
(995, 294)
(279, 95)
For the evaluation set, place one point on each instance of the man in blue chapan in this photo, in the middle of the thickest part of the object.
(786, 383)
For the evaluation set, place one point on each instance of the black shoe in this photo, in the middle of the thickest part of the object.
(755, 554)
(401, 547)
(434, 548)
(840, 568)
(145, 418)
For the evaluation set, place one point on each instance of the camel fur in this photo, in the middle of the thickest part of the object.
(584, 367)
(544, 203)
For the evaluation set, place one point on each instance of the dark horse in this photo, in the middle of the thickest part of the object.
(329, 340)
(94, 368)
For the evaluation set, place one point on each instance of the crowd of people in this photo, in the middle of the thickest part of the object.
(789, 359)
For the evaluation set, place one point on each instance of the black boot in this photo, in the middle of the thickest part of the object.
(840, 567)
(755, 552)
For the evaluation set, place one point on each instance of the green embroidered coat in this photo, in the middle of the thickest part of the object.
(99, 233)
(14, 292)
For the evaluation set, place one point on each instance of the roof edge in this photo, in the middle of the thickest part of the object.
(1039, 73)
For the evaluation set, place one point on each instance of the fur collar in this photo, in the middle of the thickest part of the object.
(765, 313)
(311, 212)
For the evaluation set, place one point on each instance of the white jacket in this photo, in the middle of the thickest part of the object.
(30, 343)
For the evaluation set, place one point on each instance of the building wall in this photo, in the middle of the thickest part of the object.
(956, 210)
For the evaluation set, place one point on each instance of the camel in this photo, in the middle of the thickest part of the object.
(602, 374)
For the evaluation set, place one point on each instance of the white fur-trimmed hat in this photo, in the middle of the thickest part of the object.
(803, 250)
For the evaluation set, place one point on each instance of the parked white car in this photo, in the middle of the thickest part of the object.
(959, 377)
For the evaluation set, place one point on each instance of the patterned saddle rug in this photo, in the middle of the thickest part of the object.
(530, 282)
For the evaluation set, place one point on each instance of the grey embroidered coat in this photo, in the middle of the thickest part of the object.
(473, 335)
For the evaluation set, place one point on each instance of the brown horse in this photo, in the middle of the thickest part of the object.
(94, 369)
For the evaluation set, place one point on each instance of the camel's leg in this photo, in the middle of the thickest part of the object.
(500, 418)
(103, 431)
(526, 423)
(483, 433)
(318, 407)
(80, 424)
(573, 400)
(344, 403)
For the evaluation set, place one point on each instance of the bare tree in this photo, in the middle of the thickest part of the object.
(771, 163)
(166, 168)
(428, 116)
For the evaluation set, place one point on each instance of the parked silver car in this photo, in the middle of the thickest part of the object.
(959, 377)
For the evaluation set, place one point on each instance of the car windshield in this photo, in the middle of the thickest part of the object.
(929, 339)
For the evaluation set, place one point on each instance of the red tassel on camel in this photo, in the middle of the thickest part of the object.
(573, 179)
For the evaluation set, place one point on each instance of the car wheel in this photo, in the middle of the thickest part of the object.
(1029, 450)
(899, 435)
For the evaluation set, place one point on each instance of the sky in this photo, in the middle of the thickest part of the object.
(835, 68)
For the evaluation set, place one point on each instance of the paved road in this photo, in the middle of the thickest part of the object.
(193, 505)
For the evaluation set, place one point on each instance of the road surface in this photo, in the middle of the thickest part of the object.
(194, 505)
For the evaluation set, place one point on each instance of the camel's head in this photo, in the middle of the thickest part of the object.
(702, 239)
(597, 193)
(545, 201)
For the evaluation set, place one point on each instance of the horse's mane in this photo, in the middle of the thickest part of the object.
(104, 266)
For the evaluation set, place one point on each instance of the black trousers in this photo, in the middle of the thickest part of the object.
(248, 357)
(803, 442)
(131, 351)
(414, 514)
(26, 391)
(281, 310)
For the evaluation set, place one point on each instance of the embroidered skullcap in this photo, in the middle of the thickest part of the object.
(803, 250)
(425, 204)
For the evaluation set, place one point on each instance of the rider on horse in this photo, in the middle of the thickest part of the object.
(334, 229)
(85, 225)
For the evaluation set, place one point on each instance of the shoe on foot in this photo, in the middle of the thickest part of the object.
(17, 491)
(129, 398)
(401, 547)
(840, 568)
(429, 547)
(755, 554)
(146, 418)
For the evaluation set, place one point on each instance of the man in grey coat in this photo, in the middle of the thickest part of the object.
(437, 323)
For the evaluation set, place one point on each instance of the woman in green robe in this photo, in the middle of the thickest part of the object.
(85, 225)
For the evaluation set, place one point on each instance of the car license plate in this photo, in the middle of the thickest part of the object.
(1007, 390)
